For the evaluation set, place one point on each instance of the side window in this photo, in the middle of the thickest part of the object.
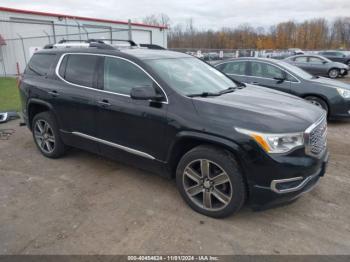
(79, 69)
(265, 70)
(291, 78)
(315, 60)
(40, 64)
(237, 68)
(301, 59)
(121, 76)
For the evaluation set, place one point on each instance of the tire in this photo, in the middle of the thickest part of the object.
(46, 135)
(203, 195)
(333, 73)
(318, 102)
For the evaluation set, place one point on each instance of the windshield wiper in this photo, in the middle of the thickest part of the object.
(204, 94)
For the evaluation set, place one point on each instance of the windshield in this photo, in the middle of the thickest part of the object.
(296, 70)
(191, 76)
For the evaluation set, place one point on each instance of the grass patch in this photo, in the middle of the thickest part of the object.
(9, 95)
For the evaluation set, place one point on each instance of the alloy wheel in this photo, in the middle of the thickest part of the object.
(207, 184)
(44, 136)
(316, 103)
(333, 73)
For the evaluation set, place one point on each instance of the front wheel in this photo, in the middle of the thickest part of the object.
(319, 102)
(209, 180)
(333, 73)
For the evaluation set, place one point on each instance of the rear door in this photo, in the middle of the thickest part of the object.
(125, 125)
(302, 62)
(317, 66)
(268, 75)
(236, 70)
(74, 97)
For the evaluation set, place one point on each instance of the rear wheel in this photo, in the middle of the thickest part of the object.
(210, 182)
(319, 102)
(333, 73)
(46, 135)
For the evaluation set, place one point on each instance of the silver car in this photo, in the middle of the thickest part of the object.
(319, 65)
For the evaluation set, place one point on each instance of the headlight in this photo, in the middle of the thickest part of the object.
(275, 143)
(344, 92)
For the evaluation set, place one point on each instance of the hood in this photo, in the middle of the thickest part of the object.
(330, 82)
(259, 109)
(340, 65)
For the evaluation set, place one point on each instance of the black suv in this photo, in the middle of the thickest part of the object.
(173, 114)
(337, 56)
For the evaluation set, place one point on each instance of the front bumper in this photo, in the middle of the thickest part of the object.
(284, 178)
(344, 72)
(340, 108)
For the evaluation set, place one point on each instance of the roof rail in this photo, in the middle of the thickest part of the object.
(131, 42)
(152, 46)
(96, 43)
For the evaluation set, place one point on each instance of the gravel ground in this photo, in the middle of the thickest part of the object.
(85, 204)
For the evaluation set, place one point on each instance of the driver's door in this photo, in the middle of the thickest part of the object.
(268, 75)
(125, 125)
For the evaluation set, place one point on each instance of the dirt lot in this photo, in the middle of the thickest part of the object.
(84, 204)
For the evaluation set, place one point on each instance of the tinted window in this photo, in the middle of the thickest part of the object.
(80, 69)
(121, 76)
(265, 70)
(237, 68)
(40, 64)
(301, 59)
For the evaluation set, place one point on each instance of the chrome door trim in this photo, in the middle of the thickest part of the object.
(104, 91)
(124, 148)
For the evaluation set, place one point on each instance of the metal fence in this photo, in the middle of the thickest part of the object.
(20, 39)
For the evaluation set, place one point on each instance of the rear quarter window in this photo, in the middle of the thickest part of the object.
(40, 64)
(79, 69)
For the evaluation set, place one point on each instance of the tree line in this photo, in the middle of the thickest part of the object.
(311, 34)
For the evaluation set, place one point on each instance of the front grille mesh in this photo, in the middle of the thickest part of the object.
(318, 138)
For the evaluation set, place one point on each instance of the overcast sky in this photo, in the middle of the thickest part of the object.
(205, 13)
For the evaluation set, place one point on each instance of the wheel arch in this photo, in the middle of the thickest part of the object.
(185, 141)
(36, 106)
(320, 96)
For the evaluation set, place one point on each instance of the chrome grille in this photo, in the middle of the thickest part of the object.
(316, 137)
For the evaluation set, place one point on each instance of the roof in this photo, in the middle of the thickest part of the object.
(21, 11)
(144, 54)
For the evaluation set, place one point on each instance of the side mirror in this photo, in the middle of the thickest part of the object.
(145, 93)
(280, 79)
(324, 62)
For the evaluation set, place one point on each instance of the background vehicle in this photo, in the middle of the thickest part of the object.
(174, 114)
(337, 56)
(333, 96)
(319, 65)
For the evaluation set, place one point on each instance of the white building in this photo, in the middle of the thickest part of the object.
(22, 32)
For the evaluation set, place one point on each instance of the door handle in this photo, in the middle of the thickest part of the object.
(54, 93)
(254, 83)
(104, 103)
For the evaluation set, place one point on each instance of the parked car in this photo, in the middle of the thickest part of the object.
(337, 56)
(295, 51)
(331, 95)
(226, 143)
(319, 65)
